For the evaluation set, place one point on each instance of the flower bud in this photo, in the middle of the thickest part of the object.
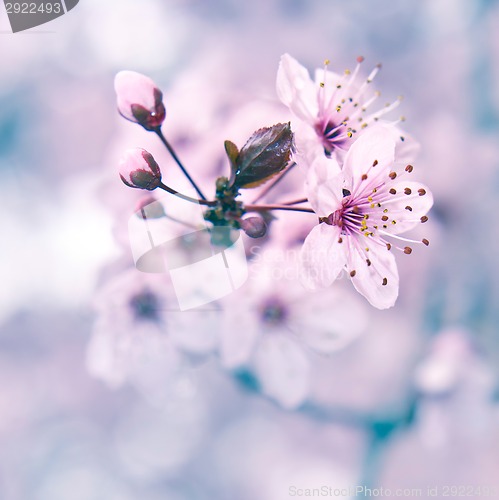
(254, 227)
(138, 169)
(139, 99)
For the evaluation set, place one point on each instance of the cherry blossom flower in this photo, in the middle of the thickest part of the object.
(272, 326)
(360, 208)
(140, 336)
(333, 108)
(139, 99)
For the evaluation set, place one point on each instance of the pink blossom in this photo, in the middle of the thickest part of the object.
(141, 337)
(138, 169)
(139, 99)
(360, 208)
(333, 108)
(272, 326)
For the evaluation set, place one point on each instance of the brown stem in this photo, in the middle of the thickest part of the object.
(260, 208)
(185, 197)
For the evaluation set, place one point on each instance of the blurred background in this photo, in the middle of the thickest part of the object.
(410, 403)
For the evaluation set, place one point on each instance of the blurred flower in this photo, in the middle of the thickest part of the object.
(139, 99)
(138, 169)
(272, 324)
(332, 107)
(140, 336)
(359, 208)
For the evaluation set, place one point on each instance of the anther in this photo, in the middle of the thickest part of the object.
(409, 168)
(425, 241)
(321, 84)
(384, 282)
(408, 208)
(407, 191)
(326, 62)
(394, 222)
(424, 218)
(375, 162)
(385, 211)
(355, 209)
(340, 240)
(392, 175)
(421, 192)
(388, 246)
(360, 59)
(393, 191)
(368, 262)
(364, 177)
(352, 274)
(407, 250)
(384, 218)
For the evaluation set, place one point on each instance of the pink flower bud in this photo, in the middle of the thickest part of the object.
(254, 227)
(139, 99)
(138, 169)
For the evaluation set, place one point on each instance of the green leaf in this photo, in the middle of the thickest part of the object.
(266, 153)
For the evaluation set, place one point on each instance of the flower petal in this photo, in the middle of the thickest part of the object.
(374, 146)
(324, 185)
(296, 89)
(282, 369)
(236, 343)
(376, 275)
(329, 320)
(322, 256)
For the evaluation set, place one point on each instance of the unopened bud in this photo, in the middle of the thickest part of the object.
(138, 169)
(139, 99)
(254, 227)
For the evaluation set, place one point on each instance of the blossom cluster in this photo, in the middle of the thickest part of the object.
(359, 173)
(356, 168)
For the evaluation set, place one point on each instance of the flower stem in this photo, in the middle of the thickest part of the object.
(273, 184)
(185, 197)
(260, 208)
(159, 133)
(295, 202)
